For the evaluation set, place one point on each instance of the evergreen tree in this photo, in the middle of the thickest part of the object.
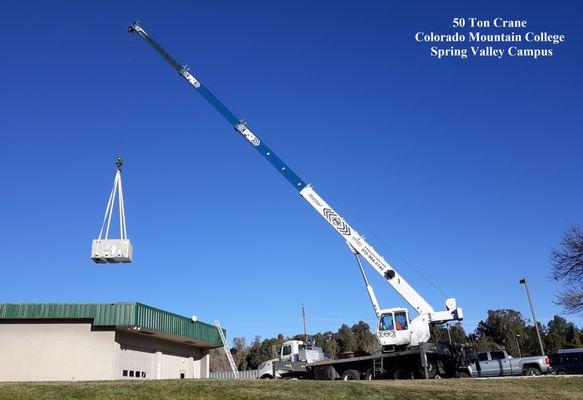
(346, 340)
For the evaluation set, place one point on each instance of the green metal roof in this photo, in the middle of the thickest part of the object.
(124, 314)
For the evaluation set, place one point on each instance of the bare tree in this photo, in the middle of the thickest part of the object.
(568, 268)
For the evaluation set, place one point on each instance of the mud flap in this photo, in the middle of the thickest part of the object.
(325, 373)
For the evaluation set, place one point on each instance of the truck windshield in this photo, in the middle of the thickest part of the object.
(386, 323)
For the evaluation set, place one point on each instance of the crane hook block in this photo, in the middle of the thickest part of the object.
(105, 250)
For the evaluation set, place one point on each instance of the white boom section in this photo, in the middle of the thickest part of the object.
(357, 242)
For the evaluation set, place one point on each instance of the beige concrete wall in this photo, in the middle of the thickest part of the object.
(205, 364)
(161, 359)
(55, 352)
(73, 351)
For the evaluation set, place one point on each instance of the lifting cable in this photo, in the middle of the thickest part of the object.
(105, 250)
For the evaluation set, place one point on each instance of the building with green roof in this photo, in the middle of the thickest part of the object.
(55, 342)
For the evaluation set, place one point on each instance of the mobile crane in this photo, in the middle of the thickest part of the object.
(395, 330)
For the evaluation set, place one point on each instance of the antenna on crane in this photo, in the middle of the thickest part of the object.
(113, 250)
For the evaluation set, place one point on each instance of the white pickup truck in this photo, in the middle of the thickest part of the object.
(499, 363)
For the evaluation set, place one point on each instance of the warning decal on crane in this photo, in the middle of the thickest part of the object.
(336, 221)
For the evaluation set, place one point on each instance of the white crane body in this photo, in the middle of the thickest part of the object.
(411, 332)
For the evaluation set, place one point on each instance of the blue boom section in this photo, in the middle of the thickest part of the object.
(262, 148)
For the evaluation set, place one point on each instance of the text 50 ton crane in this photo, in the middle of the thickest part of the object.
(394, 328)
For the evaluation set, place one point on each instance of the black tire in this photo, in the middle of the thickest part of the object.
(531, 371)
(561, 372)
(401, 372)
(463, 375)
(368, 375)
(350, 375)
(431, 370)
(266, 376)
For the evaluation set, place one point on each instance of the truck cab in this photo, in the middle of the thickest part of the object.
(290, 350)
(393, 327)
(296, 350)
(293, 357)
(395, 330)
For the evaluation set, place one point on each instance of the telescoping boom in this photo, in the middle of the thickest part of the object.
(394, 327)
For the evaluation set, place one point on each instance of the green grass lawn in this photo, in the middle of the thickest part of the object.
(554, 388)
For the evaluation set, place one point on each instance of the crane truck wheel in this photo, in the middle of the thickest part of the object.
(350, 375)
(368, 375)
(401, 372)
(431, 370)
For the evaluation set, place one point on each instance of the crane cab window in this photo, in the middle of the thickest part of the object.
(401, 322)
(286, 350)
(386, 323)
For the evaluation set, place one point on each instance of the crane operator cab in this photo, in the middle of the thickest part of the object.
(395, 330)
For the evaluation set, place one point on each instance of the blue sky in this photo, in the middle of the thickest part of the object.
(469, 169)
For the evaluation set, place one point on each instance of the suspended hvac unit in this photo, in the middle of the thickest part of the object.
(105, 250)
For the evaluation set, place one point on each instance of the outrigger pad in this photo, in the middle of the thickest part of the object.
(112, 251)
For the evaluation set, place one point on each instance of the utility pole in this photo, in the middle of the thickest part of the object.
(518, 344)
(524, 282)
(304, 318)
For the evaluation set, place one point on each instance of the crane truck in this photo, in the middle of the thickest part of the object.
(398, 334)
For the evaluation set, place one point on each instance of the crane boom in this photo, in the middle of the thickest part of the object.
(356, 242)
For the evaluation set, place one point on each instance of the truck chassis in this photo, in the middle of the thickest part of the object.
(426, 361)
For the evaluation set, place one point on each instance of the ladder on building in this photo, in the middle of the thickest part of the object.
(227, 351)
